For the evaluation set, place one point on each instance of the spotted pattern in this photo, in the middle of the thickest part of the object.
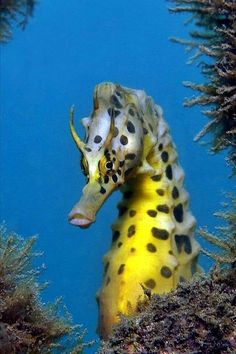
(160, 192)
(119, 244)
(175, 193)
(132, 213)
(116, 132)
(164, 156)
(97, 139)
(102, 190)
(130, 156)
(114, 178)
(131, 112)
(163, 208)
(150, 283)
(160, 234)
(130, 127)
(178, 213)
(169, 173)
(123, 140)
(151, 247)
(131, 231)
(152, 213)
(156, 178)
(166, 272)
(121, 269)
(183, 241)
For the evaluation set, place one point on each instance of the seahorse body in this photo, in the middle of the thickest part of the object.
(128, 145)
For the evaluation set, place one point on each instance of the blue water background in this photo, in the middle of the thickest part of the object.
(67, 48)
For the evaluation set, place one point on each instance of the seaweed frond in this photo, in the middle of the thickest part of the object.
(26, 324)
(214, 44)
(14, 11)
(225, 237)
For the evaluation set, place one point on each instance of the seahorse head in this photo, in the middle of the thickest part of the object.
(113, 149)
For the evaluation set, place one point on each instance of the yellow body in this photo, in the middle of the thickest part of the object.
(153, 245)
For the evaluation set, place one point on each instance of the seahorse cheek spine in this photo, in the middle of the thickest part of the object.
(128, 144)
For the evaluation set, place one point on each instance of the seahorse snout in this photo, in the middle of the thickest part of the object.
(79, 217)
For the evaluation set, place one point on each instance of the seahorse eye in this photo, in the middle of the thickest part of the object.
(109, 165)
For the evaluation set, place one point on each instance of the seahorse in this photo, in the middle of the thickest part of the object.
(128, 146)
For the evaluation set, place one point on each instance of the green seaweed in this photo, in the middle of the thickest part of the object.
(214, 42)
(11, 12)
(27, 325)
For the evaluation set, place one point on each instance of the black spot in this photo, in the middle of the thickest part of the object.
(102, 190)
(178, 212)
(175, 193)
(169, 173)
(145, 131)
(163, 208)
(114, 178)
(122, 163)
(88, 149)
(121, 269)
(106, 179)
(114, 152)
(183, 241)
(122, 210)
(108, 280)
(119, 244)
(131, 231)
(128, 172)
(130, 127)
(132, 213)
(131, 112)
(170, 252)
(160, 147)
(130, 156)
(152, 213)
(119, 172)
(150, 127)
(156, 178)
(166, 272)
(164, 156)
(160, 192)
(115, 101)
(132, 249)
(151, 247)
(97, 139)
(123, 140)
(182, 279)
(127, 194)
(116, 132)
(106, 267)
(160, 234)
(115, 236)
(150, 283)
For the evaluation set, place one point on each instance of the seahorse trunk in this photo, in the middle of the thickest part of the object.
(152, 244)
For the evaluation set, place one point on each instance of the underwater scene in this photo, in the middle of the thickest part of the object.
(118, 235)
